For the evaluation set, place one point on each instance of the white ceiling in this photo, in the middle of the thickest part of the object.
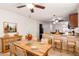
(59, 9)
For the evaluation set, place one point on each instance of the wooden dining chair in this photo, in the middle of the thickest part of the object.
(16, 51)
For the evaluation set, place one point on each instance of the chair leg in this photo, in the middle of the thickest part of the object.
(10, 54)
(25, 53)
(61, 48)
(74, 50)
(54, 46)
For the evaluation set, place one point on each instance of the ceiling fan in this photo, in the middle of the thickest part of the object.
(56, 19)
(31, 6)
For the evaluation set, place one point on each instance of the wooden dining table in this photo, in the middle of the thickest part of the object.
(34, 48)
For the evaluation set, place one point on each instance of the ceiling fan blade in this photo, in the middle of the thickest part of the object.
(62, 20)
(39, 6)
(21, 6)
(32, 10)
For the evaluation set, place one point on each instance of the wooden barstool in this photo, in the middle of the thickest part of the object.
(71, 44)
(58, 43)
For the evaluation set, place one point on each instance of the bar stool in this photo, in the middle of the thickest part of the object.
(58, 43)
(71, 45)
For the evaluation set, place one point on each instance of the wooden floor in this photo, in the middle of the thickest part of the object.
(52, 52)
(56, 52)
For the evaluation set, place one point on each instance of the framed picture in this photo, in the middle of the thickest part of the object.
(9, 27)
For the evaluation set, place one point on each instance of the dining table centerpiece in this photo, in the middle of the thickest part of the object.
(29, 38)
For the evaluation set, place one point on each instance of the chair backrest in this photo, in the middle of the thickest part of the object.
(35, 38)
(71, 38)
(56, 39)
(57, 36)
(44, 40)
(45, 35)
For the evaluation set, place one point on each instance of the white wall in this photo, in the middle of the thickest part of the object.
(24, 24)
(46, 27)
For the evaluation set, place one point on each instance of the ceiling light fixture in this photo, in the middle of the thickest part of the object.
(30, 6)
(56, 19)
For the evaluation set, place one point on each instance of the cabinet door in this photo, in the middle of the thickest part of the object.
(73, 19)
(5, 45)
(0, 45)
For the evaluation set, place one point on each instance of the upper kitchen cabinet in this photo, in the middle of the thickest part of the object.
(73, 20)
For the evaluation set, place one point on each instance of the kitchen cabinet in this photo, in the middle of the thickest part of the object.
(73, 20)
(0, 45)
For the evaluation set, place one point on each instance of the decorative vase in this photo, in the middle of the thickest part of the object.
(29, 37)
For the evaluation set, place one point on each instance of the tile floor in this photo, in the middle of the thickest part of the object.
(52, 52)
